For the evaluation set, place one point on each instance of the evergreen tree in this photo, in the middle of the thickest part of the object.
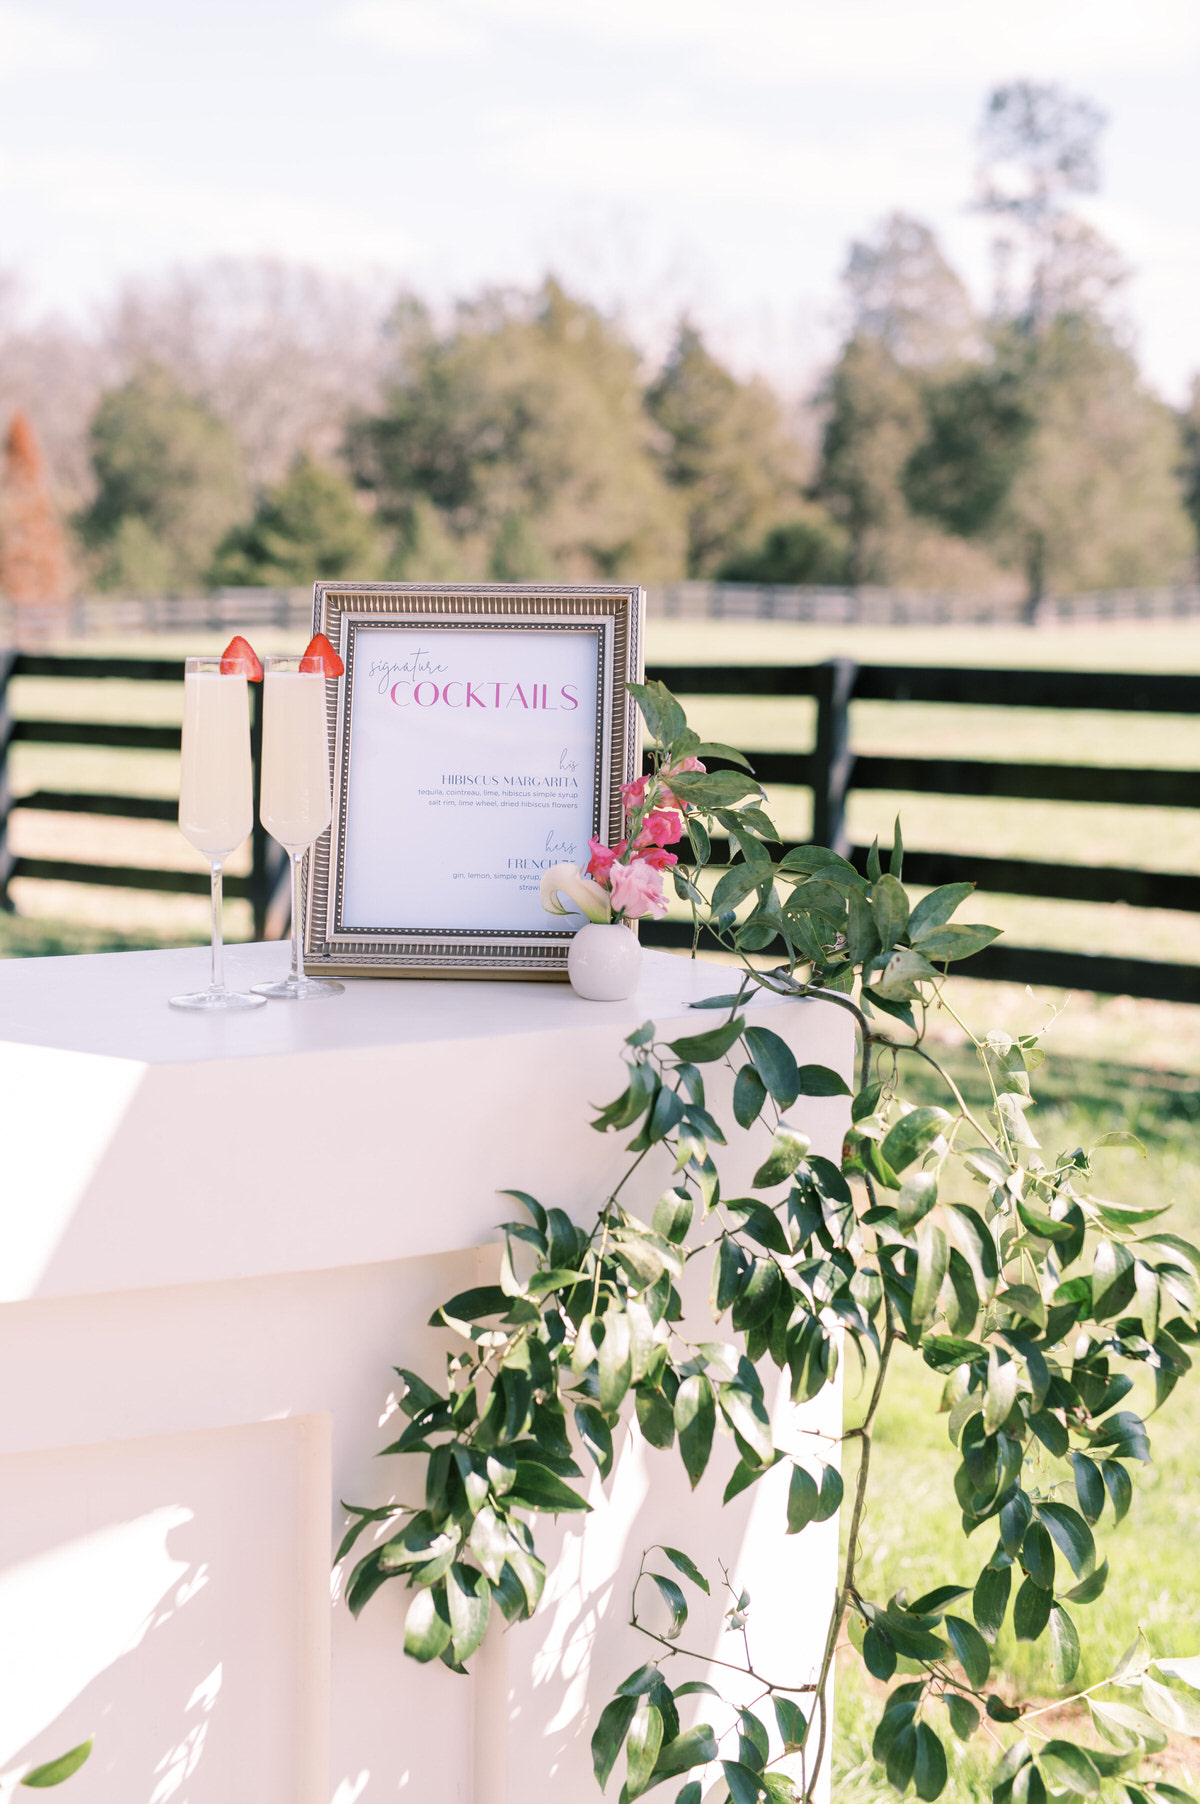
(169, 486)
(874, 423)
(523, 427)
(726, 452)
(309, 527)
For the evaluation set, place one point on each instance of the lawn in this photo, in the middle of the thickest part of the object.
(911, 1533)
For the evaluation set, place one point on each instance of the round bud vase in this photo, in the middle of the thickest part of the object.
(604, 962)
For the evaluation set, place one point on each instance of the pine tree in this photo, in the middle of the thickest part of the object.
(34, 566)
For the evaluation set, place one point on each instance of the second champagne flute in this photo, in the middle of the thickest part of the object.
(295, 804)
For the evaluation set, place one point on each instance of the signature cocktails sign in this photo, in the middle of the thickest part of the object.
(480, 736)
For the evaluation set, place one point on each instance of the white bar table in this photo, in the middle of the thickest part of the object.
(217, 1237)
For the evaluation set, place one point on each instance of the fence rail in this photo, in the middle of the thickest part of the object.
(265, 886)
(832, 770)
(102, 616)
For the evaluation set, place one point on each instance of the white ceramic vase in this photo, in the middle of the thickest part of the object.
(604, 962)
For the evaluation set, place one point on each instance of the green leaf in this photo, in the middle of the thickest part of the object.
(1121, 1723)
(964, 1717)
(1172, 1709)
(1089, 1487)
(1031, 1611)
(803, 1496)
(1072, 1534)
(832, 1491)
(1002, 1379)
(991, 1601)
(1064, 1646)
(787, 1150)
(821, 1080)
(702, 1049)
(469, 1597)
(1113, 1280)
(889, 906)
(1119, 1137)
(791, 1723)
(932, 1259)
(1037, 1556)
(747, 1416)
(1090, 1588)
(745, 1785)
(673, 1216)
(55, 1771)
(929, 1772)
(1068, 1768)
(879, 1656)
(616, 1361)
(695, 1420)
(695, 1747)
(918, 1194)
(537, 1488)
(912, 1134)
(675, 1601)
(970, 1649)
(973, 1239)
(935, 909)
(426, 1628)
(775, 1063)
(749, 1095)
(609, 1737)
(688, 1567)
(865, 1102)
(596, 1435)
(642, 1747)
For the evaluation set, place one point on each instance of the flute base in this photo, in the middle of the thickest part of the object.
(214, 1001)
(298, 989)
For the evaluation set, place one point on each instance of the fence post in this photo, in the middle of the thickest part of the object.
(7, 661)
(832, 759)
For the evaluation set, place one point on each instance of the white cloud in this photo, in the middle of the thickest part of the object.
(410, 27)
(198, 219)
(30, 43)
(603, 154)
(879, 41)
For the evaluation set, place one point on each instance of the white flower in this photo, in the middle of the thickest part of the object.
(583, 895)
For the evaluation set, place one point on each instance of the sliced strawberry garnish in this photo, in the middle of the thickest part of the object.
(319, 655)
(240, 659)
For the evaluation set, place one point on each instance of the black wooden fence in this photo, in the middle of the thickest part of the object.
(831, 769)
(264, 888)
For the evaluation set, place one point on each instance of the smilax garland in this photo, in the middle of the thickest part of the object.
(1040, 1305)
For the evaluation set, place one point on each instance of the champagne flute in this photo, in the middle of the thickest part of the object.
(295, 804)
(216, 802)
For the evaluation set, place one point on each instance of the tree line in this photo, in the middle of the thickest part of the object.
(525, 439)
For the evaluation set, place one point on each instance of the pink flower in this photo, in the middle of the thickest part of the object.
(660, 828)
(634, 794)
(685, 764)
(637, 890)
(603, 858)
(657, 859)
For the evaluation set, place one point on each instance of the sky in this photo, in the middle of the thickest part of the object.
(708, 156)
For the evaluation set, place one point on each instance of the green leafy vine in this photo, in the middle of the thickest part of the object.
(1036, 1302)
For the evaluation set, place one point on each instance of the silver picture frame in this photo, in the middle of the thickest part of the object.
(614, 613)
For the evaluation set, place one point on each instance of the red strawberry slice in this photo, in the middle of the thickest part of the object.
(319, 655)
(240, 659)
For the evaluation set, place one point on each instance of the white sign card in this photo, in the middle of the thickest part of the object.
(479, 736)
(475, 764)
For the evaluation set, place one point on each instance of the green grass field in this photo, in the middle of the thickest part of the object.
(911, 1533)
